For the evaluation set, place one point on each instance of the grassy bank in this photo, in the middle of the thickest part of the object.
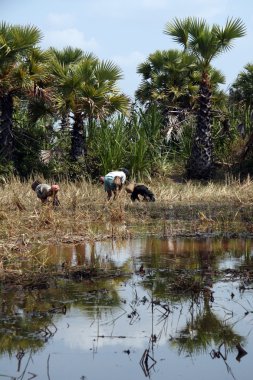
(181, 209)
(84, 205)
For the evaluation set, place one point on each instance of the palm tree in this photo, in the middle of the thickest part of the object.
(167, 79)
(240, 96)
(60, 66)
(241, 90)
(169, 83)
(204, 43)
(87, 88)
(18, 45)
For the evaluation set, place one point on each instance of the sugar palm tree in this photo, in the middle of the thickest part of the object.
(60, 68)
(169, 83)
(241, 99)
(205, 43)
(19, 72)
(87, 88)
(167, 79)
(241, 91)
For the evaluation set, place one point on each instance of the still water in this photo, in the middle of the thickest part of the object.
(176, 308)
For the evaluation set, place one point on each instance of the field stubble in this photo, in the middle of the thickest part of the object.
(84, 214)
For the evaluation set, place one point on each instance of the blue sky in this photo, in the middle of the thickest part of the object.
(127, 31)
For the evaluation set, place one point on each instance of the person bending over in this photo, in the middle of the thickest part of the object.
(113, 182)
(45, 191)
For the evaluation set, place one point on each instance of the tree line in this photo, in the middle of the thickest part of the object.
(62, 113)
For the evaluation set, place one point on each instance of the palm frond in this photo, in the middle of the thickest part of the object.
(234, 28)
(25, 36)
(68, 55)
(107, 70)
(179, 30)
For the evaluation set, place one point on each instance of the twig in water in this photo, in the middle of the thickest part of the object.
(48, 376)
(144, 362)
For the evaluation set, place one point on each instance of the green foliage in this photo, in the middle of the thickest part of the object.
(135, 143)
(87, 88)
(28, 142)
(109, 144)
(168, 79)
(203, 41)
(179, 149)
(6, 169)
(47, 89)
(146, 139)
(241, 90)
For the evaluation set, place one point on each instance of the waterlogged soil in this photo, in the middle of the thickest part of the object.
(151, 306)
(23, 228)
(196, 219)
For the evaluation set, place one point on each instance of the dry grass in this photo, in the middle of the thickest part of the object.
(85, 215)
(24, 220)
(233, 191)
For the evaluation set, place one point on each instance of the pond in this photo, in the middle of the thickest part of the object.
(172, 308)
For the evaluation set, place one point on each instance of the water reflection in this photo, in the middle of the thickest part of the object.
(177, 303)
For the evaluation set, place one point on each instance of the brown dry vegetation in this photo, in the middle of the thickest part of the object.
(84, 205)
(86, 215)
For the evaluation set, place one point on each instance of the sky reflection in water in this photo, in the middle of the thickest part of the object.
(111, 326)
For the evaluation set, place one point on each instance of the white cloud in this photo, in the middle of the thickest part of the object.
(69, 37)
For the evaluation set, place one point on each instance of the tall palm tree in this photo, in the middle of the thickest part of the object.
(60, 67)
(17, 76)
(205, 43)
(169, 83)
(87, 88)
(241, 99)
(167, 79)
(241, 91)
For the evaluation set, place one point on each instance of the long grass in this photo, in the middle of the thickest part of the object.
(85, 203)
(85, 214)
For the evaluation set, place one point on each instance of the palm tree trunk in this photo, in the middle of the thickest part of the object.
(6, 134)
(200, 164)
(65, 125)
(78, 143)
